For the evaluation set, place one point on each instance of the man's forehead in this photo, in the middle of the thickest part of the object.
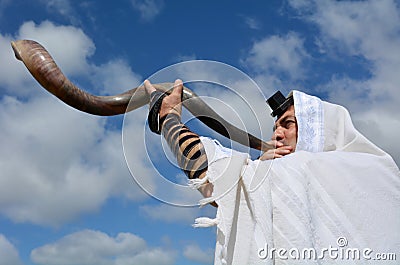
(287, 113)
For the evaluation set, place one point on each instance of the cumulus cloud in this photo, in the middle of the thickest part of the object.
(195, 253)
(12, 72)
(278, 62)
(367, 29)
(8, 253)
(148, 9)
(115, 77)
(56, 162)
(71, 58)
(278, 55)
(89, 247)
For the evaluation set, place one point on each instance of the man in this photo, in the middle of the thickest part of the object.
(324, 195)
(284, 137)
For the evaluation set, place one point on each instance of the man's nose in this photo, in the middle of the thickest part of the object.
(278, 134)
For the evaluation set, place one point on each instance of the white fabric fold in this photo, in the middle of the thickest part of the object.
(310, 122)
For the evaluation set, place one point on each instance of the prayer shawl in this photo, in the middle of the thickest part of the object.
(336, 200)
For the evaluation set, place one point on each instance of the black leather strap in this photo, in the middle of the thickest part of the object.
(154, 120)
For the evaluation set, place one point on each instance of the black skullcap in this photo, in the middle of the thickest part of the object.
(279, 104)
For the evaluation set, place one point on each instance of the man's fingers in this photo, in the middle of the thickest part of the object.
(177, 91)
(282, 151)
(149, 87)
(270, 155)
(275, 143)
(178, 87)
(276, 153)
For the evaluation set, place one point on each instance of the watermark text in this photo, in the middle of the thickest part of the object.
(339, 252)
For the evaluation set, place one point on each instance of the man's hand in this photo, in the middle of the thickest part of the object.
(171, 103)
(280, 151)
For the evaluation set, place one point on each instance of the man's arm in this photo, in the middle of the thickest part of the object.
(184, 144)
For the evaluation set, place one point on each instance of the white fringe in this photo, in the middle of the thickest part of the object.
(205, 222)
(206, 201)
(196, 183)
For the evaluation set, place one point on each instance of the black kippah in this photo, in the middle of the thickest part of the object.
(279, 104)
(154, 120)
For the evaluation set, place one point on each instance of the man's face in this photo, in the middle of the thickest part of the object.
(285, 129)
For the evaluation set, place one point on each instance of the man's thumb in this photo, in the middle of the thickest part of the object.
(178, 87)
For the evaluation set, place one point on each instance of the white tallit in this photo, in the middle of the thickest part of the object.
(338, 190)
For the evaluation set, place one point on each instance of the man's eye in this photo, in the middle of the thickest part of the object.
(289, 123)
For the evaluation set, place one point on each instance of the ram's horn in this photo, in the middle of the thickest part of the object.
(43, 68)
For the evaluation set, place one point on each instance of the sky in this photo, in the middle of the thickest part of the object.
(82, 189)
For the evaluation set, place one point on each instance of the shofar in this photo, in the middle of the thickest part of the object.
(43, 68)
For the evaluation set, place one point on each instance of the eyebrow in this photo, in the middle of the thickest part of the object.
(283, 121)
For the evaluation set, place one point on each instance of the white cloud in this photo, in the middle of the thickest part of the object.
(148, 9)
(195, 253)
(115, 77)
(71, 58)
(89, 247)
(56, 162)
(8, 253)
(151, 257)
(12, 72)
(14, 77)
(277, 55)
(356, 30)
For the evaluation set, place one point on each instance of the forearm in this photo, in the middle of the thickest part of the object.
(184, 144)
(186, 147)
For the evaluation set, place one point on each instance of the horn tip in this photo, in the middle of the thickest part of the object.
(17, 51)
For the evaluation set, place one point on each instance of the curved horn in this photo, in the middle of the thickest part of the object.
(43, 68)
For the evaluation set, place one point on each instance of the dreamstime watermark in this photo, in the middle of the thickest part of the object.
(339, 252)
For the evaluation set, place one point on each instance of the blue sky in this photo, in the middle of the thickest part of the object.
(66, 193)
